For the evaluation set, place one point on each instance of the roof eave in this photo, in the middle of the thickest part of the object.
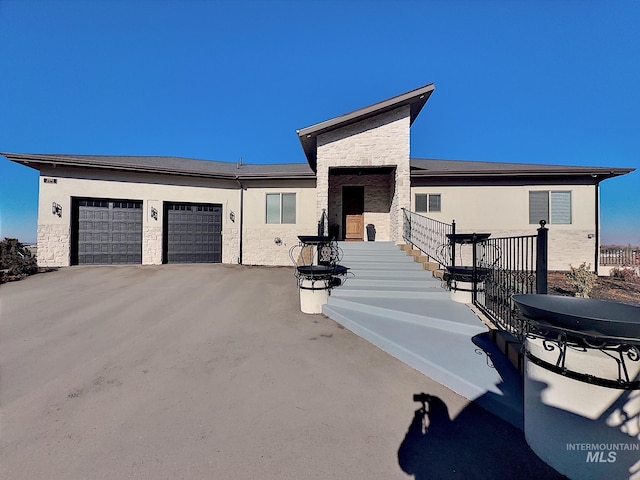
(285, 176)
(37, 163)
(608, 173)
(55, 162)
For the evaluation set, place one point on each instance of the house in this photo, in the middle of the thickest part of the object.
(359, 171)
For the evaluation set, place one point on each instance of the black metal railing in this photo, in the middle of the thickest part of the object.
(515, 265)
(426, 234)
(323, 224)
(620, 256)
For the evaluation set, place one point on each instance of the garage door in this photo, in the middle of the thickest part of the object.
(193, 233)
(109, 232)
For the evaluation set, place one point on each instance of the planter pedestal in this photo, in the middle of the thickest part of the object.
(314, 294)
(462, 292)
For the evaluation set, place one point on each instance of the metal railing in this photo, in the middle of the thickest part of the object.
(509, 265)
(426, 234)
(516, 265)
(323, 224)
(620, 256)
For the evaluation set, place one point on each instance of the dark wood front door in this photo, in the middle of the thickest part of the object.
(353, 213)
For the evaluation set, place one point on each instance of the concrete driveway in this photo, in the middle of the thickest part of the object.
(212, 372)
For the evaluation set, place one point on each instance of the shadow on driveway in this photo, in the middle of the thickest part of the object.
(473, 445)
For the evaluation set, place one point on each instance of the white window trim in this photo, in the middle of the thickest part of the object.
(280, 208)
(550, 207)
(428, 195)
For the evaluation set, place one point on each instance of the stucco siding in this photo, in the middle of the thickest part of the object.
(383, 140)
(269, 244)
(54, 231)
(504, 211)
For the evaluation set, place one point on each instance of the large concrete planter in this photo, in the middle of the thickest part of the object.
(582, 394)
(314, 293)
(314, 283)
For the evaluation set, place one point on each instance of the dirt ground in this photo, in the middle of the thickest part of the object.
(607, 288)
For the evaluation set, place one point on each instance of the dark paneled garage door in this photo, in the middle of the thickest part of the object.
(108, 232)
(193, 233)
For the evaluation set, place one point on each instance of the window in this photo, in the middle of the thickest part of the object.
(552, 207)
(428, 202)
(281, 208)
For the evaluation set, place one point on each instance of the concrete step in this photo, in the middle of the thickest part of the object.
(422, 287)
(367, 244)
(375, 265)
(393, 251)
(375, 262)
(439, 274)
(382, 282)
(376, 251)
(511, 347)
(432, 313)
(347, 291)
(431, 266)
(420, 275)
(397, 275)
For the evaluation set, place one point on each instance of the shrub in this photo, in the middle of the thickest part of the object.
(16, 258)
(625, 273)
(582, 279)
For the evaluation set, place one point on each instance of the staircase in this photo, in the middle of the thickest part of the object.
(397, 305)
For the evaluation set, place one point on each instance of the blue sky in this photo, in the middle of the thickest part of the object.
(552, 82)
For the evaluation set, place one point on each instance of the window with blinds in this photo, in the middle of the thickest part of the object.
(553, 207)
(428, 202)
(561, 208)
(434, 203)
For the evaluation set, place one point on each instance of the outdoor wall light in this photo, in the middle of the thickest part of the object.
(232, 216)
(56, 209)
(277, 241)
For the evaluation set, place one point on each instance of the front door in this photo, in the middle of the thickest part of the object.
(353, 213)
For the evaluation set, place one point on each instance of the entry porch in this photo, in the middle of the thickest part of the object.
(359, 197)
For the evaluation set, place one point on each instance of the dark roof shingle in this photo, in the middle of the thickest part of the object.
(441, 168)
(168, 165)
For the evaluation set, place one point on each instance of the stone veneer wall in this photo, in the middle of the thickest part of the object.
(54, 245)
(152, 232)
(151, 244)
(378, 195)
(270, 246)
(383, 140)
(231, 244)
